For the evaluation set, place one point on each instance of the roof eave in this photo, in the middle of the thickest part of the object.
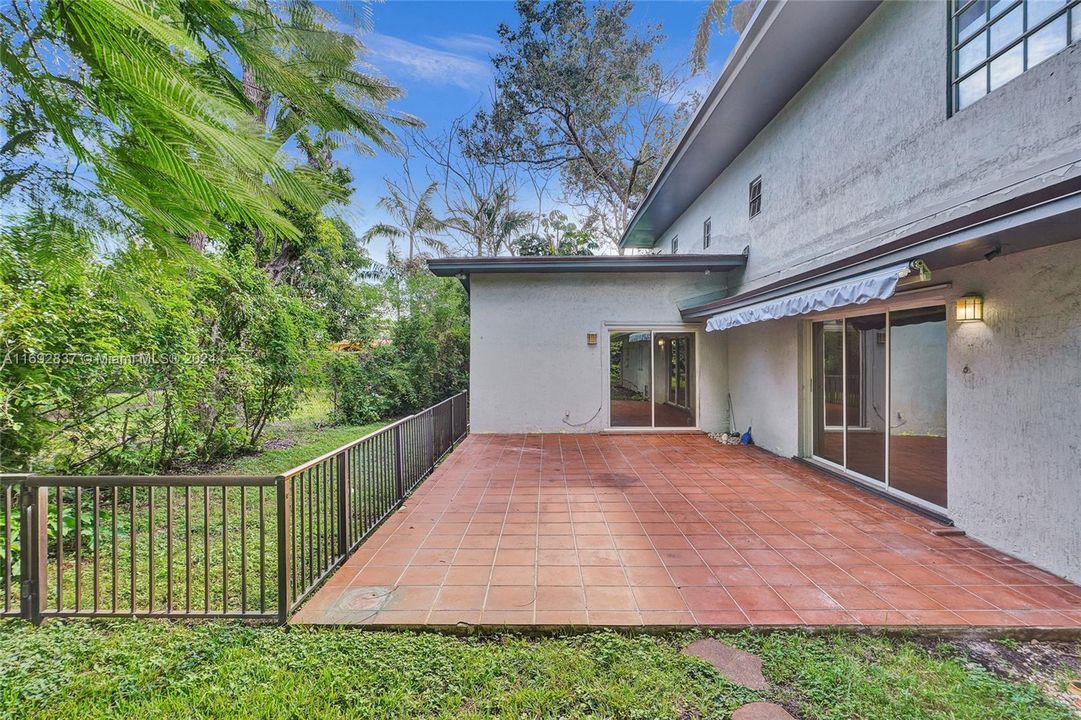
(463, 267)
(786, 42)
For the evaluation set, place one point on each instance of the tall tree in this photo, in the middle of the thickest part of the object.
(414, 220)
(479, 197)
(578, 90)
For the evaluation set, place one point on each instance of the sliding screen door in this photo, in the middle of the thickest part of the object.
(630, 382)
(879, 398)
(829, 416)
(918, 403)
(652, 379)
(865, 395)
(673, 363)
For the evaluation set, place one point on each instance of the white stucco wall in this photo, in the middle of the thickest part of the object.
(530, 367)
(1014, 403)
(865, 153)
(764, 380)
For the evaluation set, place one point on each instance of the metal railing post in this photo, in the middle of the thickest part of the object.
(343, 503)
(34, 539)
(399, 469)
(431, 439)
(285, 556)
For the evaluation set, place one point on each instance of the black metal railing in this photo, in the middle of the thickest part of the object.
(247, 547)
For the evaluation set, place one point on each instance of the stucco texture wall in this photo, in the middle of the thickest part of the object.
(763, 378)
(1014, 404)
(531, 369)
(865, 152)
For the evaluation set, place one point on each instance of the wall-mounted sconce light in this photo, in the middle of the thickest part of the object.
(591, 339)
(970, 308)
(660, 342)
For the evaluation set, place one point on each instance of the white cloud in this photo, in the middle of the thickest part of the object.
(427, 64)
(469, 43)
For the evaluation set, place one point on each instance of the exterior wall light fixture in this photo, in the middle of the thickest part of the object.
(591, 339)
(970, 308)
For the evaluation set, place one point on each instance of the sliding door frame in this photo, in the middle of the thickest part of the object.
(606, 354)
(931, 299)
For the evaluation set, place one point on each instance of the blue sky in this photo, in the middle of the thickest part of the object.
(438, 52)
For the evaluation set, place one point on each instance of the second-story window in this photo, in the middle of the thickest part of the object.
(994, 41)
(706, 230)
(756, 196)
(675, 244)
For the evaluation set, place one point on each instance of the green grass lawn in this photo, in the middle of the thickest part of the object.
(305, 435)
(154, 669)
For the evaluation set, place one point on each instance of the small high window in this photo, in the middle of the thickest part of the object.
(994, 41)
(675, 244)
(706, 230)
(756, 196)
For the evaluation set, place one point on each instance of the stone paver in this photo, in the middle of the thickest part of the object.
(742, 668)
(761, 711)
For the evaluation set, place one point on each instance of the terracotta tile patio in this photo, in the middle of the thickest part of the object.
(622, 530)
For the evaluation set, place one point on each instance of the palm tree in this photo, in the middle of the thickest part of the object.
(148, 97)
(414, 221)
(490, 220)
(714, 17)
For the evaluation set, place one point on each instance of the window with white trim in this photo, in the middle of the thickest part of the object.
(675, 244)
(994, 41)
(707, 228)
(755, 203)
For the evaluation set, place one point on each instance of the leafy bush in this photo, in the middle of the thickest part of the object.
(425, 362)
(136, 364)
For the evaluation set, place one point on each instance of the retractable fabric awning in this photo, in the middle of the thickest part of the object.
(875, 285)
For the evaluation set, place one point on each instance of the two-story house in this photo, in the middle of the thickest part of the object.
(865, 246)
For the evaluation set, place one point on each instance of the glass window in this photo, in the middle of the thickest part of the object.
(1008, 66)
(994, 42)
(1007, 29)
(972, 89)
(706, 232)
(756, 196)
(1046, 42)
(971, 17)
(675, 244)
(829, 391)
(878, 395)
(972, 54)
(1040, 10)
(918, 403)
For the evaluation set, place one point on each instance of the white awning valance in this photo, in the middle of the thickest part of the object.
(876, 285)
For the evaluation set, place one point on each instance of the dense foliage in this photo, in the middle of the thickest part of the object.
(172, 270)
(425, 361)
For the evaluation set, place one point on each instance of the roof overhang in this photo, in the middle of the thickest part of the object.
(1043, 217)
(780, 50)
(463, 267)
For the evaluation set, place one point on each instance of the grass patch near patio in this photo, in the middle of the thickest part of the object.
(155, 669)
(304, 435)
(199, 547)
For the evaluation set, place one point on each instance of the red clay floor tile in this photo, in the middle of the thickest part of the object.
(668, 529)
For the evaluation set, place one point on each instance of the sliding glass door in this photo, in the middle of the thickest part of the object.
(879, 399)
(651, 379)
